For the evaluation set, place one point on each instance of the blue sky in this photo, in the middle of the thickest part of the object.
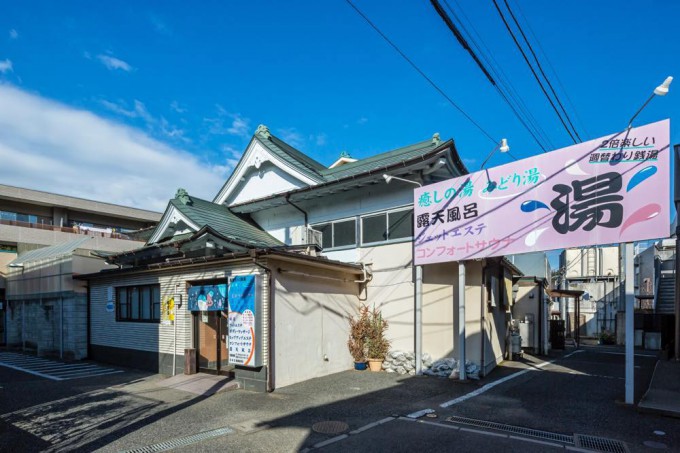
(129, 101)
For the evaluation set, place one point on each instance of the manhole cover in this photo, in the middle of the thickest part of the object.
(330, 427)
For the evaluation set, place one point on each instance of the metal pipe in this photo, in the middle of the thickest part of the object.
(174, 337)
(630, 334)
(418, 301)
(298, 208)
(461, 320)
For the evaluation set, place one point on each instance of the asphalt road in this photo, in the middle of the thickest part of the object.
(577, 394)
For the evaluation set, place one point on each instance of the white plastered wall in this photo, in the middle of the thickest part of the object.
(311, 321)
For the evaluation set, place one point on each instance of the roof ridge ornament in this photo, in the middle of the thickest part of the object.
(263, 131)
(345, 154)
(436, 140)
(183, 197)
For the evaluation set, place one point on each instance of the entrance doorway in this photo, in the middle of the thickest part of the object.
(212, 352)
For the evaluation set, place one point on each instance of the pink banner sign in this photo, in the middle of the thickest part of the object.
(605, 191)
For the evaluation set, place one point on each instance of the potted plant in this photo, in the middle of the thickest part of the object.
(607, 337)
(377, 345)
(358, 330)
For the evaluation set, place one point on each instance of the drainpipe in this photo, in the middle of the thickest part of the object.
(298, 208)
(270, 348)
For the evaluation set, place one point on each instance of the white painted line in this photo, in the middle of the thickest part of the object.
(623, 353)
(27, 362)
(441, 425)
(371, 425)
(90, 372)
(35, 373)
(491, 385)
(537, 441)
(331, 441)
(420, 413)
(56, 367)
(82, 371)
(485, 433)
(583, 450)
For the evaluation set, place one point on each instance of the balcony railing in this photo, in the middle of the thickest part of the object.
(92, 232)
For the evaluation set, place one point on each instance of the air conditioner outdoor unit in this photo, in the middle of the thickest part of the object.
(301, 235)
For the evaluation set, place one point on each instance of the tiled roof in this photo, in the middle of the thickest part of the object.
(315, 170)
(380, 160)
(224, 222)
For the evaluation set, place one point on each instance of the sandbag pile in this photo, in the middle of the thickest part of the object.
(449, 367)
(404, 362)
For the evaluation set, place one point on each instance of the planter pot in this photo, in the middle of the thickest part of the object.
(375, 364)
(360, 366)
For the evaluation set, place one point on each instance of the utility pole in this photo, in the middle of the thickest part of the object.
(676, 172)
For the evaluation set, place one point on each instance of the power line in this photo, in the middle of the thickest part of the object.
(461, 39)
(431, 82)
(540, 68)
(555, 73)
(514, 38)
(459, 36)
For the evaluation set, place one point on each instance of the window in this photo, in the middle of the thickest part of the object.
(341, 233)
(387, 226)
(25, 218)
(138, 303)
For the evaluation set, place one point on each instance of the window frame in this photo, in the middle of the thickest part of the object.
(332, 223)
(387, 213)
(153, 289)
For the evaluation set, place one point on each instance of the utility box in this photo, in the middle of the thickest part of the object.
(190, 361)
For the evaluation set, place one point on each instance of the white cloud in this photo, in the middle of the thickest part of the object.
(6, 66)
(174, 105)
(50, 146)
(319, 139)
(13, 34)
(159, 25)
(114, 63)
(291, 136)
(362, 120)
(226, 123)
(159, 125)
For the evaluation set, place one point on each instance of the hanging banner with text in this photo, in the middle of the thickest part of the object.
(242, 321)
(605, 191)
(207, 297)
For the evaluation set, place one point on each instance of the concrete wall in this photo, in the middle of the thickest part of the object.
(599, 304)
(28, 201)
(645, 274)
(590, 262)
(16, 234)
(5, 259)
(47, 309)
(311, 321)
